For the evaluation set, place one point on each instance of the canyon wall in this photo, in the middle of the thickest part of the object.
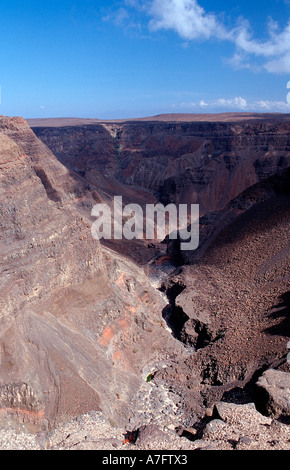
(208, 163)
(81, 326)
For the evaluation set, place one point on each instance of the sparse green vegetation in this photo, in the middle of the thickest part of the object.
(119, 156)
(149, 378)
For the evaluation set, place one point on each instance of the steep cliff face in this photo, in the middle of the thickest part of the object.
(40, 253)
(78, 323)
(208, 163)
(40, 231)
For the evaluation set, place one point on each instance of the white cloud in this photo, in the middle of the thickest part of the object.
(278, 43)
(270, 106)
(234, 103)
(191, 22)
(187, 18)
(280, 65)
(238, 104)
(118, 17)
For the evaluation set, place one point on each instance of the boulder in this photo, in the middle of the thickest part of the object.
(273, 391)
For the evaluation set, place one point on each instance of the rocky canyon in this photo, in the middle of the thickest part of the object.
(186, 349)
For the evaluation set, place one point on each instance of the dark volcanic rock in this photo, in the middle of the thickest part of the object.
(236, 296)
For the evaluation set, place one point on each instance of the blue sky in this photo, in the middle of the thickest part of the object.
(131, 58)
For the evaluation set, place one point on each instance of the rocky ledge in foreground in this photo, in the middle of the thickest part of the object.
(231, 427)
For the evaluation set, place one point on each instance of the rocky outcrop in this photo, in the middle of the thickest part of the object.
(234, 428)
(273, 390)
(242, 427)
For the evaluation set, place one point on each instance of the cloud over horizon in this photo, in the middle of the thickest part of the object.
(238, 103)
